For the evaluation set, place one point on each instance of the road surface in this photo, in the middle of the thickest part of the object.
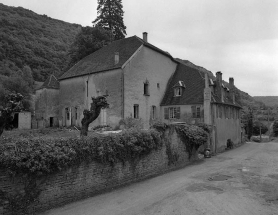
(242, 181)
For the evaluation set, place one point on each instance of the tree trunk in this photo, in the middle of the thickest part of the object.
(2, 125)
(84, 129)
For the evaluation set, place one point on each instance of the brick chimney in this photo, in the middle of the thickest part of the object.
(231, 82)
(117, 57)
(145, 36)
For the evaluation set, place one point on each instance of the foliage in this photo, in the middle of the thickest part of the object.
(36, 41)
(193, 134)
(41, 156)
(87, 41)
(247, 116)
(275, 128)
(102, 127)
(130, 122)
(257, 126)
(160, 126)
(110, 17)
(12, 104)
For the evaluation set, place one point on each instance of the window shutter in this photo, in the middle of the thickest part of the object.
(193, 111)
(166, 113)
(178, 113)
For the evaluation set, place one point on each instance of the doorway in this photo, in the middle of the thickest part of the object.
(51, 121)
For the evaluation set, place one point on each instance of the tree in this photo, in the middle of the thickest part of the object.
(12, 104)
(98, 103)
(247, 120)
(259, 128)
(87, 41)
(110, 17)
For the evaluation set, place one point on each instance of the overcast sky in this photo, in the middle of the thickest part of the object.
(237, 37)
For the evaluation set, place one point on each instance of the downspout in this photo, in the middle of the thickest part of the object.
(123, 93)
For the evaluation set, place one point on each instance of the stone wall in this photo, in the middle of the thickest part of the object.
(87, 179)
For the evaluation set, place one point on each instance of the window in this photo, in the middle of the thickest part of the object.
(158, 86)
(153, 114)
(146, 88)
(67, 113)
(178, 91)
(76, 109)
(136, 111)
(87, 88)
(172, 113)
(196, 111)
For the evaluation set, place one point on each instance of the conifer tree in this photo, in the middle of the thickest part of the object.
(110, 17)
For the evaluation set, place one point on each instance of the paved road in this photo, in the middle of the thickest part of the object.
(242, 181)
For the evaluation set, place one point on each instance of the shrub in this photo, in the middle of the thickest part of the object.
(42, 156)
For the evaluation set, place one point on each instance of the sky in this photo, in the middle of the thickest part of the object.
(237, 37)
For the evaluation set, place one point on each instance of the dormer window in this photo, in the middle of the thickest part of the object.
(178, 91)
(178, 88)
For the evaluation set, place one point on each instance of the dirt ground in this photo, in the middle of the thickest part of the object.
(242, 181)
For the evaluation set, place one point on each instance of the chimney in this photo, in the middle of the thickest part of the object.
(145, 36)
(231, 82)
(117, 57)
(219, 77)
(219, 85)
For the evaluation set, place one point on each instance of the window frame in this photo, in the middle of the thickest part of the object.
(177, 91)
(146, 88)
(136, 111)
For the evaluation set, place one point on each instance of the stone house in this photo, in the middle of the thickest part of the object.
(131, 71)
(141, 81)
(47, 104)
(192, 96)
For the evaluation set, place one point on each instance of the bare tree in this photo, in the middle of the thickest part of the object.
(97, 104)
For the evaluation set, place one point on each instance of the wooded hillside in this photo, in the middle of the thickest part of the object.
(37, 41)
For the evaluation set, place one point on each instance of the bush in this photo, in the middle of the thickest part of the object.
(275, 128)
(42, 156)
(256, 128)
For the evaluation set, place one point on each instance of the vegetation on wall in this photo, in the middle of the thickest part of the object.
(43, 156)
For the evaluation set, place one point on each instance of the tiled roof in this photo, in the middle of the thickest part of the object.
(194, 82)
(104, 58)
(216, 96)
(51, 83)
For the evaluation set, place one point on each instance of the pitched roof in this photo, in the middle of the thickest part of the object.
(227, 99)
(104, 58)
(51, 83)
(194, 87)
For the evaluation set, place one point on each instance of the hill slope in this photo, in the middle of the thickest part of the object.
(37, 41)
(271, 101)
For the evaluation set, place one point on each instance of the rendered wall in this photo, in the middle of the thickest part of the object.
(74, 93)
(24, 120)
(156, 69)
(88, 178)
(185, 114)
(46, 106)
